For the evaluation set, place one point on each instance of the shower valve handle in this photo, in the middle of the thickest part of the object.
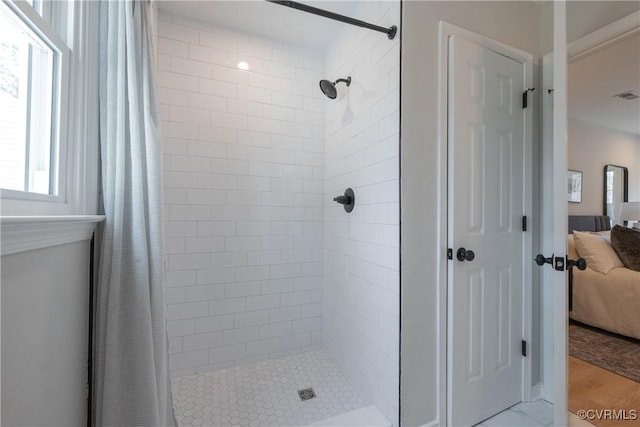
(348, 200)
(342, 200)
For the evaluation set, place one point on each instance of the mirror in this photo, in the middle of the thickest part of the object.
(616, 191)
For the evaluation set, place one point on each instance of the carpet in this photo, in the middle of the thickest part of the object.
(612, 352)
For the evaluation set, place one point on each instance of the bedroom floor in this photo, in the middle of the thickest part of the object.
(613, 352)
(592, 387)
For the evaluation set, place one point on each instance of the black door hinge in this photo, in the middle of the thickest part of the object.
(449, 253)
(524, 223)
(525, 96)
(524, 348)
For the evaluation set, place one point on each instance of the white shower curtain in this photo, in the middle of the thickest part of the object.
(131, 372)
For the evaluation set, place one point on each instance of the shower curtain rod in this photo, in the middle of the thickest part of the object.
(390, 32)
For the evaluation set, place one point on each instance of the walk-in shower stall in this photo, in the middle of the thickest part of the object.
(282, 288)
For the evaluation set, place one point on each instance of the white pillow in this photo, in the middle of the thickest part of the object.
(606, 235)
(597, 251)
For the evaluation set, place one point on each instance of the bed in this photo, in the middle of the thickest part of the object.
(608, 301)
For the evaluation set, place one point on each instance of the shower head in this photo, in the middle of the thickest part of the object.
(329, 88)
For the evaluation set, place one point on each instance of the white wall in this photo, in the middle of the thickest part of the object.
(243, 194)
(44, 336)
(590, 148)
(514, 23)
(361, 284)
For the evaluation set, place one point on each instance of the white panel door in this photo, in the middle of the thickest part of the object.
(486, 204)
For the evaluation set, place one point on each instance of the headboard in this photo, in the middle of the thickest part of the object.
(589, 223)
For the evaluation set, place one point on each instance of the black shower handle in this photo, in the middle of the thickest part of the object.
(342, 200)
(348, 200)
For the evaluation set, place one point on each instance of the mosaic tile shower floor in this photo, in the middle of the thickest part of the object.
(265, 393)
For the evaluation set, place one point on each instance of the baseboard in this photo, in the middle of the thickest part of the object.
(536, 392)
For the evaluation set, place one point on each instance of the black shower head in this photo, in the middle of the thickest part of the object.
(329, 88)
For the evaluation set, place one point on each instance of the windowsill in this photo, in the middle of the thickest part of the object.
(28, 233)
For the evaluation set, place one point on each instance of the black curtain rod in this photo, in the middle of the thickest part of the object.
(390, 32)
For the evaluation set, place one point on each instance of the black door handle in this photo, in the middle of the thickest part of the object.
(541, 260)
(558, 262)
(465, 255)
(580, 263)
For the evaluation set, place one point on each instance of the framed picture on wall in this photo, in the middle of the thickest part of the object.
(574, 180)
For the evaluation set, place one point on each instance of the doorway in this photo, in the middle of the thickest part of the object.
(602, 338)
(556, 367)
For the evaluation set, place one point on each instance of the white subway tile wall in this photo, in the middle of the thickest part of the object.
(244, 170)
(360, 301)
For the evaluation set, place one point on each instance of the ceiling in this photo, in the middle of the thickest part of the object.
(595, 79)
(264, 19)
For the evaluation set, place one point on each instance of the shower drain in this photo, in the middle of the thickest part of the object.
(306, 394)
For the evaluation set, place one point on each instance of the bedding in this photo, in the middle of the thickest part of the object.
(608, 301)
(597, 251)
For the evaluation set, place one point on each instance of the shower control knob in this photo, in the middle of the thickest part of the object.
(341, 199)
(348, 200)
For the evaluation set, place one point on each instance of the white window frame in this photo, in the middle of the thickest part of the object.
(71, 27)
(58, 143)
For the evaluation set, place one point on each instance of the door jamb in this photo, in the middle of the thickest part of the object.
(526, 59)
(546, 226)
(604, 37)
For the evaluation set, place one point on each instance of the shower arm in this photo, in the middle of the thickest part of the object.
(347, 81)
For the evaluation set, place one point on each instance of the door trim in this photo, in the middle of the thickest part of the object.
(560, 209)
(546, 228)
(604, 37)
(526, 59)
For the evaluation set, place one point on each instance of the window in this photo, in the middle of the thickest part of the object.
(609, 188)
(33, 75)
